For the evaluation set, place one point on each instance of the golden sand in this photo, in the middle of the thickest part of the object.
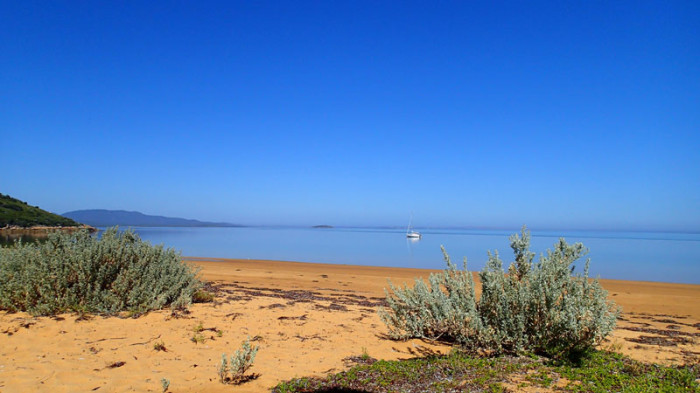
(307, 319)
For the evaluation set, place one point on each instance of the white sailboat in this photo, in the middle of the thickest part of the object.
(410, 233)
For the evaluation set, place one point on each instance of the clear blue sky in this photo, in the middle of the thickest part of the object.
(555, 114)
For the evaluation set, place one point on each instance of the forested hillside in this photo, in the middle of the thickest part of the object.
(14, 212)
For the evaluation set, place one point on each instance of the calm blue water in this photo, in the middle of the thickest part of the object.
(670, 257)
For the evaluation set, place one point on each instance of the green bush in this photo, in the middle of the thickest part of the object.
(78, 272)
(539, 308)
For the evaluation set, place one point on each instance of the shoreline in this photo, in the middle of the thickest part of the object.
(659, 322)
(417, 269)
(633, 296)
(41, 230)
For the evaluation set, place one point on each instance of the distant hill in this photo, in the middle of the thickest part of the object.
(14, 212)
(108, 218)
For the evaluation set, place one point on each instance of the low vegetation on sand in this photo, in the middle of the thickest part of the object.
(530, 308)
(534, 325)
(79, 272)
(459, 372)
(233, 370)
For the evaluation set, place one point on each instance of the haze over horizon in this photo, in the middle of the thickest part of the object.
(72, 214)
(554, 115)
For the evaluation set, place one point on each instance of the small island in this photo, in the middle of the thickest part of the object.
(322, 227)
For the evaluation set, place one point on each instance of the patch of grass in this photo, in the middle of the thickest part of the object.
(198, 338)
(599, 372)
(160, 346)
(541, 378)
(455, 372)
(365, 355)
(606, 371)
(202, 296)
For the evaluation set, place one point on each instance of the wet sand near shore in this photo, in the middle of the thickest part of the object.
(307, 319)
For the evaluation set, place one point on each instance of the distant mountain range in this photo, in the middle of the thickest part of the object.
(108, 218)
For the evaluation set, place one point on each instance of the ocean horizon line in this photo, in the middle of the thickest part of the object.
(456, 231)
(513, 229)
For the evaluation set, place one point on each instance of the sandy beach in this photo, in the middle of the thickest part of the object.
(308, 319)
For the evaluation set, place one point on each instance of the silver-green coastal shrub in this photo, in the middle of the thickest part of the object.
(443, 309)
(541, 307)
(79, 272)
(240, 362)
